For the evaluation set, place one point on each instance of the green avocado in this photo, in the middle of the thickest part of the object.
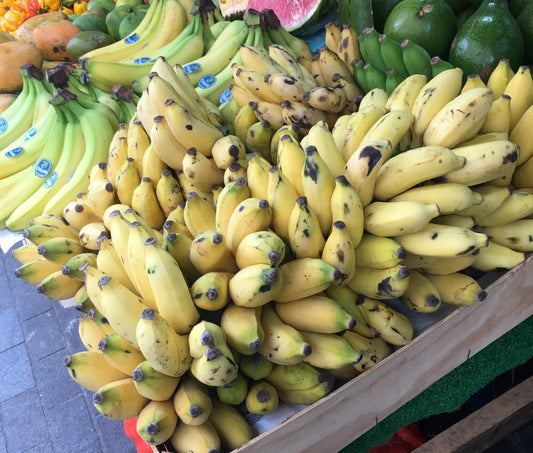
(487, 36)
(90, 22)
(130, 22)
(381, 10)
(115, 17)
(525, 21)
(85, 41)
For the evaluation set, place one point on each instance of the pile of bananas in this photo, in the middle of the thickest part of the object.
(53, 133)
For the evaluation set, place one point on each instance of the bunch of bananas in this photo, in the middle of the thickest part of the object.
(215, 270)
(54, 132)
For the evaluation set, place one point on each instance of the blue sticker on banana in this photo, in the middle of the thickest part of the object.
(207, 81)
(52, 179)
(29, 133)
(42, 168)
(141, 60)
(3, 124)
(192, 67)
(14, 151)
(226, 94)
(134, 37)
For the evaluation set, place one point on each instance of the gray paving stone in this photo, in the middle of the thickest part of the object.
(3, 446)
(114, 437)
(43, 335)
(67, 319)
(70, 427)
(17, 376)
(24, 421)
(11, 333)
(54, 381)
(44, 447)
(6, 301)
(26, 299)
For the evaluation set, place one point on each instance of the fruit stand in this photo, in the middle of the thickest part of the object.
(269, 220)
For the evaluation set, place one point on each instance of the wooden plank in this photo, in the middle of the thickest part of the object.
(488, 425)
(353, 409)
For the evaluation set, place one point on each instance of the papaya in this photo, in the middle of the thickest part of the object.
(13, 55)
(488, 35)
(24, 32)
(85, 41)
(51, 38)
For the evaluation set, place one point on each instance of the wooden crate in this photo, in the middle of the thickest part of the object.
(357, 406)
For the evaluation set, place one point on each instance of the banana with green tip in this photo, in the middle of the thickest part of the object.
(484, 162)
(119, 399)
(329, 351)
(210, 291)
(308, 395)
(370, 48)
(35, 270)
(72, 266)
(233, 392)
(258, 138)
(119, 353)
(37, 233)
(81, 366)
(156, 422)
(380, 284)
(89, 330)
(60, 249)
(192, 402)
(283, 344)
(302, 277)
(392, 218)
(58, 286)
(152, 384)
(255, 366)
(398, 174)
(297, 376)
(242, 327)
(379, 252)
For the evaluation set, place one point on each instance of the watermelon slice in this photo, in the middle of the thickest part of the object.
(306, 16)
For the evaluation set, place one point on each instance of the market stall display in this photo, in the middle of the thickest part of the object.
(258, 225)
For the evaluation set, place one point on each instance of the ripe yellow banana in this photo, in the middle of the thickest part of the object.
(242, 327)
(152, 384)
(210, 291)
(119, 353)
(458, 288)
(373, 350)
(260, 247)
(496, 257)
(516, 235)
(305, 237)
(119, 399)
(380, 284)
(255, 285)
(192, 402)
(520, 89)
(405, 93)
(281, 196)
(156, 422)
(232, 428)
(195, 437)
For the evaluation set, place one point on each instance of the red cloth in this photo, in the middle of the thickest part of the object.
(130, 428)
(404, 440)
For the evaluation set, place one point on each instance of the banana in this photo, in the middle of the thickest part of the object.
(301, 114)
(492, 197)
(281, 196)
(202, 437)
(119, 399)
(231, 195)
(283, 344)
(262, 398)
(498, 118)
(156, 422)
(519, 133)
(450, 197)
(91, 297)
(60, 249)
(242, 328)
(192, 402)
(58, 286)
(258, 58)
(89, 330)
(364, 166)
(233, 392)
(79, 213)
(71, 267)
(81, 366)
(152, 384)
(138, 139)
(25, 252)
(323, 314)
(348, 44)
(473, 81)
(258, 137)
(339, 251)
(118, 152)
(516, 206)
(376, 97)
(392, 218)
(91, 233)
(100, 195)
(458, 288)
(168, 192)
(392, 126)
(332, 35)
(35, 270)
(119, 353)
(164, 144)
(166, 350)
(329, 351)
(298, 376)
(327, 98)
(209, 252)
(380, 284)
(255, 285)
(199, 214)
(305, 237)
(37, 233)
(497, 257)
(210, 291)
(109, 262)
(432, 97)
(320, 136)
(178, 245)
(405, 93)
(346, 207)
(214, 368)
(373, 350)
(255, 366)
(232, 428)
(500, 77)
(442, 266)
(484, 162)
(520, 89)
(202, 171)
(397, 175)
(308, 395)
(290, 160)
(302, 277)
(459, 220)
(421, 295)
(254, 81)
(228, 149)
(521, 175)
(252, 214)
(289, 65)
(235, 171)
(260, 247)
(516, 234)
(318, 184)
(460, 119)
(208, 339)
(394, 327)
(442, 241)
